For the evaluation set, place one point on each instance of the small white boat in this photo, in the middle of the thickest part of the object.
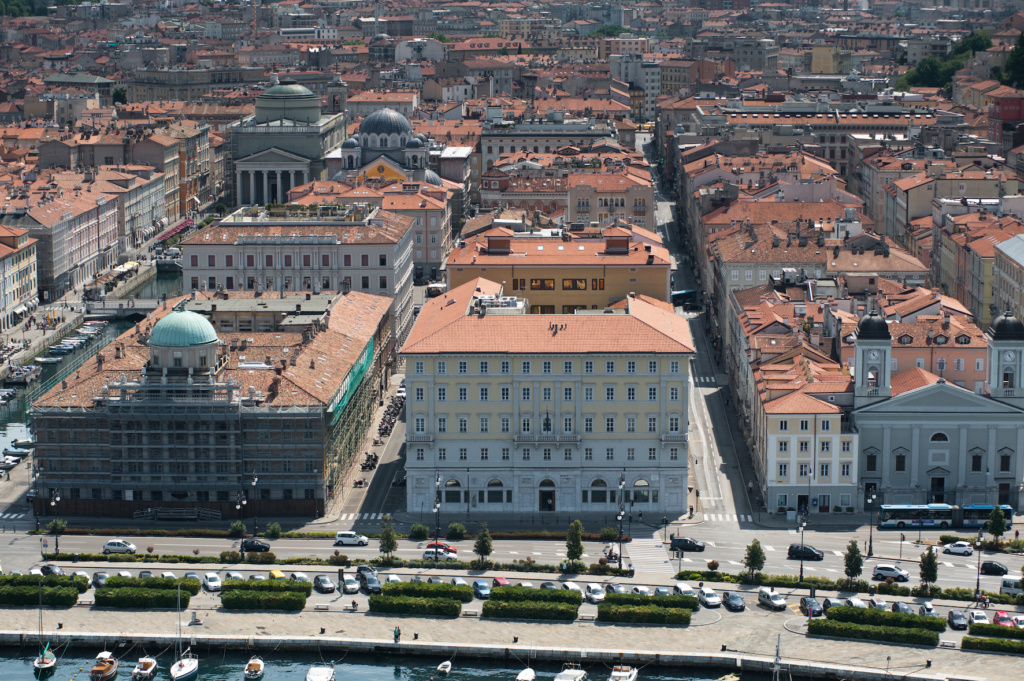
(254, 668)
(48, 360)
(527, 675)
(145, 668)
(445, 667)
(320, 673)
(9, 462)
(571, 672)
(23, 443)
(17, 452)
(621, 672)
(186, 668)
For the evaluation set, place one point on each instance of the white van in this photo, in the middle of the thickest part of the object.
(1010, 586)
(684, 589)
(172, 253)
(349, 537)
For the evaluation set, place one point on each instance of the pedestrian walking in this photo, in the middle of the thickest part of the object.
(1016, 535)
(398, 634)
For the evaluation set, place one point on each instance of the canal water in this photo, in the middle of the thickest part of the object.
(74, 665)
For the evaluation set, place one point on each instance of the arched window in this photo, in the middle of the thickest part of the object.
(547, 483)
(383, 142)
(939, 437)
(452, 492)
(641, 492)
(598, 492)
(495, 492)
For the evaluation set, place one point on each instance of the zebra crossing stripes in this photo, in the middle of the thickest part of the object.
(648, 555)
(705, 380)
(12, 516)
(722, 517)
(361, 516)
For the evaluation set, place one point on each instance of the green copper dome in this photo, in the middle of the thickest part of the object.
(183, 329)
(288, 101)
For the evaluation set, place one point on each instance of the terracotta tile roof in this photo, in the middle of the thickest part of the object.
(800, 403)
(911, 379)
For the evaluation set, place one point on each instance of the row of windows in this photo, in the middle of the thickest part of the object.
(782, 500)
(546, 393)
(805, 425)
(547, 424)
(804, 446)
(977, 462)
(290, 284)
(547, 366)
(201, 495)
(824, 470)
(548, 453)
(289, 261)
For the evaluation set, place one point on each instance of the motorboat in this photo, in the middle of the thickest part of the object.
(444, 667)
(104, 667)
(254, 668)
(320, 673)
(24, 443)
(49, 360)
(571, 672)
(145, 668)
(17, 452)
(9, 462)
(527, 675)
(621, 672)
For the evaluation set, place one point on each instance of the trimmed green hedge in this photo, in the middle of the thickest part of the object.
(884, 618)
(263, 600)
(674, 601)
(276, 585)
(995, 631)
(826, 627)
(412, 605)
(131, 558)
(159, 583)
(999, 645)
(64, 596)
(81, 584)
(520, 594)
(140, 599)
(530, 610)
(455, 592)
(642, 614)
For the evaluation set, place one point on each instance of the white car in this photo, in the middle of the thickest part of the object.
(708, 597)
(526, 585)
(960, 548)
(211, 582)
(459, 581)
(392, 578)
(438, 554)
(400, 392)
(856, 603)
(571, 586)
(977, 616)
(350, 585)
(168, 575)
(641, 590)
(886, 571)
(594, 592)
(119, 546)
(124, 573)
(1018, 621)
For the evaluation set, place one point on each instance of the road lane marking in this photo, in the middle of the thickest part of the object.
(768, 548)
(836, 553)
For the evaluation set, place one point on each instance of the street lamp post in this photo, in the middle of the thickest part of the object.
(619, 517)
(437, 516)
(977, 585)
(54, 498)
(255, 515)
(240, 501)
(871, 525)
(803, 526)
(664, 521)
(622, 511)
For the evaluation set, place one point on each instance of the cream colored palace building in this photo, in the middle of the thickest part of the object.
(524, 413)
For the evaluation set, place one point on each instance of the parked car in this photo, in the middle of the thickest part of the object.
(390, 579)
(81, 573)
(119, 546)
(877, 603)
(144, 574)
(928, 610)
(957, 619)
(438, 554)
(254, 545)
(771, 599)
(991, 567)
(811, 607)
(831, 602)
(708, 597)
(369, 582)
(686, 544)
(856, 603)
(193, 575)
(441, 545)
(211, 582)
(548, 585)
(369, 569)
(615, 588)
(299, 577)
(346, 537)
(350, 585)
(51, 570)
(733, 601)
(683, 589)
(640, 590)
(662, 591)
(804, 552)
(435, 580)
(481, 589)
(167, 574)
(121, 573)
(233, 575)
(500, 581)
(1018, 621)
(960, 548)
(977, 616)
(1002, 618)
(593, 592)
(459, 581)
(526, 585)
(900, 606)
(571, 586)
(100, 579)
(257, 578)
(323, 584)
(884, 571)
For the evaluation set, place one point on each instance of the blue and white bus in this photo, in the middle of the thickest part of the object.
(939, 515)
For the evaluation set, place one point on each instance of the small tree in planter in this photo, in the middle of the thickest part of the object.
(713, 565)
(150, 549)
(195, 552)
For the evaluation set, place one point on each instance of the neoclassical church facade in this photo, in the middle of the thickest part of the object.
(923, 439)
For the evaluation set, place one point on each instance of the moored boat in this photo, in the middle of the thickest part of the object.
(622, 672)
(445, 667)
(320, 673)
(571, 672)
(104, 667)
(254, 668)
(144, 669)
(526, 675)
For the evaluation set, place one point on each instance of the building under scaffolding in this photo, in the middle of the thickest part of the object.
(179, 413)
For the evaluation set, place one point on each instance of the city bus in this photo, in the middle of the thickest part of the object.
(939, 515)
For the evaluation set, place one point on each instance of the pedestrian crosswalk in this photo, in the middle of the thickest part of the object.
(705, 380)
(12, 516)
(721, 517)
(362, 516)
(648, 555)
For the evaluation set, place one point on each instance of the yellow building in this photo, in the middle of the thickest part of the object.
(515, 413)
(560, 275)
(20, 284)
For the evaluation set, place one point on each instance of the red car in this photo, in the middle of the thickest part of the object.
(1003, 619)
(500, 581)
(441, 545)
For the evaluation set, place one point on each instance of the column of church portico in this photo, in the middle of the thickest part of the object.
(992, 462)
(962, 469)
(305, 176)
(266, 187)
(297, 178)
(915, 459)
(238, 188)
(1018, 467)
(252, 187)
(885, 459)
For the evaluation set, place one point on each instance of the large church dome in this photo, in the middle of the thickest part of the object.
(385, 122)
(288, 101)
